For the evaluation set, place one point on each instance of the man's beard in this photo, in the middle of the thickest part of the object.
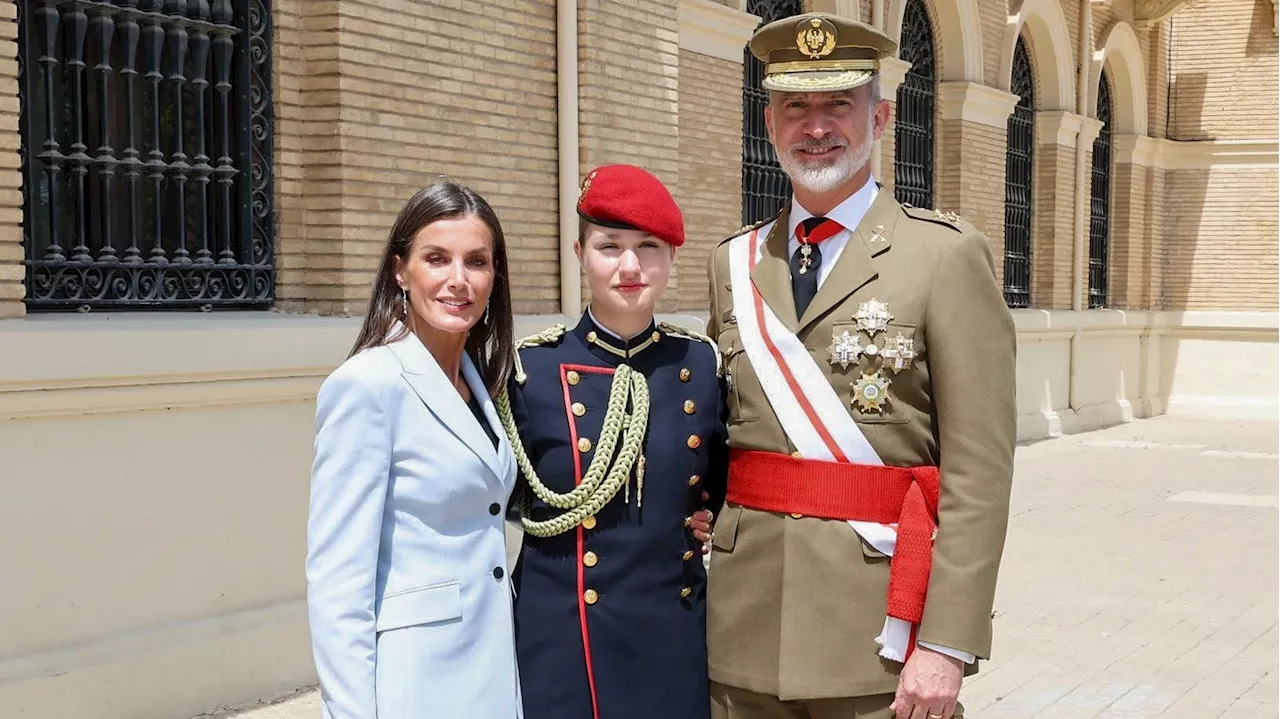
(822, 178)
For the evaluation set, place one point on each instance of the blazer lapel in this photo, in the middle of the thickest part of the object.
(441, 398)
(772, 275)
(855, 267)
(500, 460)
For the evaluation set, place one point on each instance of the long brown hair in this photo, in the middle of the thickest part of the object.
(491, 345)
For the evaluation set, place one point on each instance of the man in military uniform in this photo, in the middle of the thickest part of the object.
(618, 428)
(870, 364)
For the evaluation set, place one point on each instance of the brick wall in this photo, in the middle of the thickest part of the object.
(710, 166)
(1224, 56)
(1223, 226)
(971, 168)
(11, 270)
(395, 95)
(1053, 226)
(628, 65)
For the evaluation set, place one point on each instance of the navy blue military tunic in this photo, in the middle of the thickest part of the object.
(611, 615)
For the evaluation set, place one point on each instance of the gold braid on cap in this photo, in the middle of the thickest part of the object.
(775, 68)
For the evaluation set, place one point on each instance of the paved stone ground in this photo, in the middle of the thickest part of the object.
(1140, 579)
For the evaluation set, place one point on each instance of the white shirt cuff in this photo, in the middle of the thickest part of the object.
(963, 656)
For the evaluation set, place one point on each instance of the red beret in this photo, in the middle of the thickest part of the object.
(628, 197)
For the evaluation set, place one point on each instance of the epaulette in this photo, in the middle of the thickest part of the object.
(940, 217)
(551, 335)
(747, 228)
(678, 331)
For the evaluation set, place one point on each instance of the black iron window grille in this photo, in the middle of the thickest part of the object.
(146, 132)
(1100, 201)
(765, 187)
(913, 134)
(1018, 190)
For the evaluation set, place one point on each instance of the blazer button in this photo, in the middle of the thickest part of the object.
(584, 445)
(497, 572)
(573, 377)
(694, 441)
(690, 406)
(579, 409)
(590, 559)
(685, 592)
(495, 508)
(693, 480)
(688, 555)
(589, 522)
(590, 596)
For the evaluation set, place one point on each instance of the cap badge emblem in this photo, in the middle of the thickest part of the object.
(816, 38)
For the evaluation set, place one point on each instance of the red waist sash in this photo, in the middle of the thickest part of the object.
(907, 496)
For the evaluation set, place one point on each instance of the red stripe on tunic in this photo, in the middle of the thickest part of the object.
(577, 480)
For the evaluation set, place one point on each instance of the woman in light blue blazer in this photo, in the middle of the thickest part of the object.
(409, 591)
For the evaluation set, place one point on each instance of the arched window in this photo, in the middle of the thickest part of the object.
(764, 185)
(1100, 201)
(913, 135)
(1018, 192)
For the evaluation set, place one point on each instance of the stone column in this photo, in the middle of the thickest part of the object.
(972, 132)
(713, 38)
(1135, 252)
(1052, 216)
(892, 72)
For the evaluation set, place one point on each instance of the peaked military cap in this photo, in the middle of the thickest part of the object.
(819, 52)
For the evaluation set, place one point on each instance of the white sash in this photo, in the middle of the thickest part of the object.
(811, 413)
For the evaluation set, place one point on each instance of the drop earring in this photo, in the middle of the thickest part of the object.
(404, 302)
(486, 314)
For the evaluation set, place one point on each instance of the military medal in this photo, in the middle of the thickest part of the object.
(898, 352)
(806, 260)
(870, 392)
(873, 316)
(844, 349)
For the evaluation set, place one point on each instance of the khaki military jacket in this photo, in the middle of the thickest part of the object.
(795, 603)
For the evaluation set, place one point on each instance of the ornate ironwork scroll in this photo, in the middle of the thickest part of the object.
(1018, 190)
(914, 128)
(764, 185)
(181, 216)
(1100, 201)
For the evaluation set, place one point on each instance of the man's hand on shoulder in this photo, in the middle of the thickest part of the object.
(929, 686)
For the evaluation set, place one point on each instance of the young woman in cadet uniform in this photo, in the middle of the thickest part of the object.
(618, 429)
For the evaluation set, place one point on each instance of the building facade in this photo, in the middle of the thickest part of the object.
(194, 195)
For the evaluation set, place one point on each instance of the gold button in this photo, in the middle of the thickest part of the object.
(688, 555)
(693, 481)
(685, 375)
(591, 596)
(573, 377)
(584, 445)
(694, 441)
(579, 409)
(656, 336)
(589, 522)
(796, 515)
(690, 407)
(796, 454)
(590, 559)
(685, 592)
(591, 336)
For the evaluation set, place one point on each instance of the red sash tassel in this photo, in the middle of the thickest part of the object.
(773, 482)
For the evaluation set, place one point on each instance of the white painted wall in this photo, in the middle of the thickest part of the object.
(155, 469)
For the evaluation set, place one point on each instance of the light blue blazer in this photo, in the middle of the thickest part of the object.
(408, 589)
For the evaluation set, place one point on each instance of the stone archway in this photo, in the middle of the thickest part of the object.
(959, 36)
(1121, 54)
(1046, 26)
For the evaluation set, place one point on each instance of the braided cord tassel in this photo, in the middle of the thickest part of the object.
(598, 486)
